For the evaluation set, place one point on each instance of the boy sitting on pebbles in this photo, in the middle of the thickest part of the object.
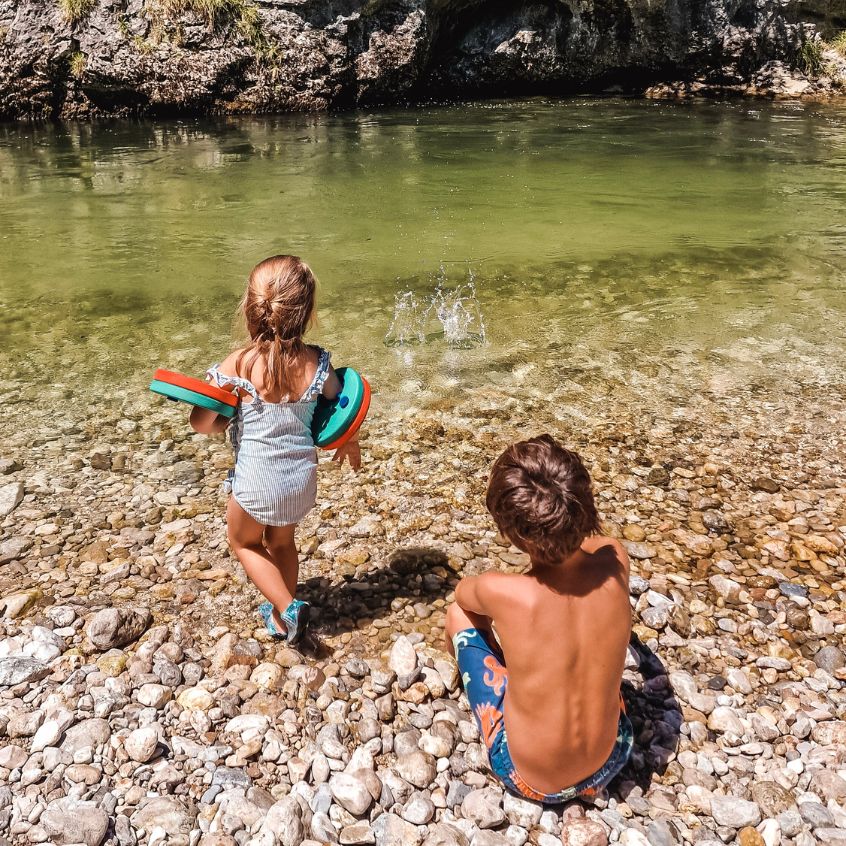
(545, 689)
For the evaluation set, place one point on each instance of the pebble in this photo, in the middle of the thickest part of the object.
(484, 807)
(142, 743)
(351, 793)
(69, 820)
(201, 730)
(733, 812)
(581, 832)
(115, 627)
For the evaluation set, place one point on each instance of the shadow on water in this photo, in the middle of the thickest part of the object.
(656, 718)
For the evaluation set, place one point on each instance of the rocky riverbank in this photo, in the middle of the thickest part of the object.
(83, 58)
(141, 703)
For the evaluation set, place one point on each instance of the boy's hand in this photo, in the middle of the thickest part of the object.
(352, 452)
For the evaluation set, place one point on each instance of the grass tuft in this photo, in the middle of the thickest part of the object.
(76, 10)
(839, 43)
(244, 15)
(810, 58)
(77, 65)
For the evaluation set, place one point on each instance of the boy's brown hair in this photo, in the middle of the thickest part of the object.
(540, 496)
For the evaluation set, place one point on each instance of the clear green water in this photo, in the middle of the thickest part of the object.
(663, 247)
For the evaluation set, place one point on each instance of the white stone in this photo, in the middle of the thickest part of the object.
(404, 662)
(351, 793)
(142, 743)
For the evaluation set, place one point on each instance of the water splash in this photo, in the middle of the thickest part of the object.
(454, 314)
(408, 324)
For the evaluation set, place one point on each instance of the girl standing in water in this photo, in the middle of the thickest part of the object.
(273, 485)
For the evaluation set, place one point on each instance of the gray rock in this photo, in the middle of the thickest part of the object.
(10, 497)
(419, 809)
(18, 669)
(86, 734)
(168, 813)
(734, 812)
(790, 822)
(417, 768)
(486, 837)
(391, 830)
(659, 833)
(639, 550)
(442, 834)
(284, 822)
(227, 777)
(351, 793)
(322, 829)
(830, 659)
(359, 832)
(772, 798)
(828, 786)
(815, 814)
(116, 627)
(142, 743)
(456, 792)
(404, 662)
(12, 756)
(638, 585)
(724, 719)
(483, 807)
(73, 821)
(522, 812)
(13, 549)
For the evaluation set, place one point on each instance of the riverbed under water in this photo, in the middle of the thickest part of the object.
(664, 249)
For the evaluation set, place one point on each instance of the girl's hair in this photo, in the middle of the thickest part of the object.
(278, 308)
(540, 496)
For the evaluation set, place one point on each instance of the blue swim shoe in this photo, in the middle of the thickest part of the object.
(296, 617)
(266, 611)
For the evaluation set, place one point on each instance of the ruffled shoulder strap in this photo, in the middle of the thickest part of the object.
(315, 389)
(213, 374)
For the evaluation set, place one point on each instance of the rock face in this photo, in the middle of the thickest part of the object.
(137, 57)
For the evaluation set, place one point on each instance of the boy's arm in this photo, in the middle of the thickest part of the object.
(473, 594)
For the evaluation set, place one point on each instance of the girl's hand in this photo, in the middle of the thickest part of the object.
(351, 451)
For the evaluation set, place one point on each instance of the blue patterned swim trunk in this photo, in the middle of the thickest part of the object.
(485, 678)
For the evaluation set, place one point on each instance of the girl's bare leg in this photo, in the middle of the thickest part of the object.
(246, 537)
(282, 547)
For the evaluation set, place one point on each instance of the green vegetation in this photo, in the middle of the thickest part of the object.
(77, 65)
(76, 10)
(216, 13)
(243, 14)
(810, 58)
(838, 43)
(142, 45)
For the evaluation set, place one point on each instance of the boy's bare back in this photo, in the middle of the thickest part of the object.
(564, 631)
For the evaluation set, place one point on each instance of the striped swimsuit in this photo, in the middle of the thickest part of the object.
(275, 475)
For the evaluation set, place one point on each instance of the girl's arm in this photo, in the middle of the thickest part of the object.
(351, 451)
(209, 422)
(332, 385)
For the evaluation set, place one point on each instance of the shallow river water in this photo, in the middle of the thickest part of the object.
(582, 245)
